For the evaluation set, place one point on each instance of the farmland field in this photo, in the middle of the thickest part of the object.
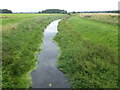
(89, 50)
(22, 36)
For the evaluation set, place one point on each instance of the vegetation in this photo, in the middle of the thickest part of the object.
(54, 11)
(11, 19)
(0, 53)
(106, 18)
(88, 54)
(5, 11)
(21, 39)
(88, 47)
(112, 11)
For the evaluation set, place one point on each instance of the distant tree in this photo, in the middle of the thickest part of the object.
(115, 11)
(54, 11)
(73, 12)
(78, 12)
(0, 10)
(39, 12)
(5, 11)
(69, 13)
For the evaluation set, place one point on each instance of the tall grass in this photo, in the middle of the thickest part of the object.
(20, 46)
(87, 56)
(106, 18)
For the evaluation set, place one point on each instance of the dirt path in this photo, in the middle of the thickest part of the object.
(47, 75)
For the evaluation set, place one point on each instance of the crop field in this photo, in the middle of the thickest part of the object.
(22, 36)
(89, 50)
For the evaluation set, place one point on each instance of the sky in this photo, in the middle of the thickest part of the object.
(69, 5)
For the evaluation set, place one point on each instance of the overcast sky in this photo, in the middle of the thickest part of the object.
(69, 5)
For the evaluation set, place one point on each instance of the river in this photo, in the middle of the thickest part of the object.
(47, 75)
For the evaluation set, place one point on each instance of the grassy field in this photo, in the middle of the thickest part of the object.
(111, 18)
(89, 51)
(22, 36)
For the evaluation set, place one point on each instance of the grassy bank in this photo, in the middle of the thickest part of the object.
(21, 40)
(88, 52)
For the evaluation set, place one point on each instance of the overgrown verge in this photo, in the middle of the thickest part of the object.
(20, 45)
(88, 62)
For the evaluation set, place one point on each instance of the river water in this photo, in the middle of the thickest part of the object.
(47, 75)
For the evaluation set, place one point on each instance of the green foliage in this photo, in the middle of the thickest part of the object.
(112, 11)
(87, 57)
(20, 46)
(5, 11)
(54, 11)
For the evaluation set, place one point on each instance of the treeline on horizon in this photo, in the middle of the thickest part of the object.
(53, 11)
(5, 11)
(113, 11)
(61, 11)
(64, 12)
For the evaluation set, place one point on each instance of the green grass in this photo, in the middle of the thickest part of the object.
(97, 32)
(16, 18)
(20, 45)
(88, 54)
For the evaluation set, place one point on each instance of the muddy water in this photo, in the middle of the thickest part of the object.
(47, 75)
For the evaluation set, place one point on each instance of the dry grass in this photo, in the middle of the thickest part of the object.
(10, 27)
(82, 14)
(102, 17)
